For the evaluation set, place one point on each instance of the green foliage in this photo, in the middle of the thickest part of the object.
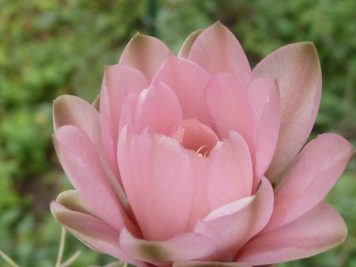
(49, 48)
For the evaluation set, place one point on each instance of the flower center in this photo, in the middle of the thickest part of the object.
(196, 136)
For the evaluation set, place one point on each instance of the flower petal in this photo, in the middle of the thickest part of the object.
(232, 225)
(229, 106)
(156, 108)
(118, 82)
(145, 53)
(187, 45)
(159, 181)
(185, 246)
(83, 168)
(210, 264)
(320, 229)
(93, 232)
(189, 81)
(72, 200)
(217, 50)
(96, 103)
(297, 70)
(265, 102)
(72, 110)
(230, 174)
(310, 178)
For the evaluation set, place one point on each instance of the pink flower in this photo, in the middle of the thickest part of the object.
(175, 166)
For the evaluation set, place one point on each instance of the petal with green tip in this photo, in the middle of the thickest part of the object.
(188, 43)
(297, 70)
(181, 247)
(145, 53)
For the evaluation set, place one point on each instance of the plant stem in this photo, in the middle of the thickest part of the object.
(8, 259)
(71, 259)
(61, 248)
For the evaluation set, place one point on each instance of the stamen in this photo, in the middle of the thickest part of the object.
(200, 149)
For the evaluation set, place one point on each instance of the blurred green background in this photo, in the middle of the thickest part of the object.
(48, 48)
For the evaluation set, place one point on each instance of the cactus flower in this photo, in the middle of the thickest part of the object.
(199, 160)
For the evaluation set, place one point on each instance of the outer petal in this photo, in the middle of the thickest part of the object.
(210, 264)
(82, 165)
(232, 225)
(156, 108)
(118, 82)
(187, 45)
(93, 232)
(159, 180)
(230, 173)
(318, 230)
(145, 53)
(310, 178)
(265, 102)
(297, 70)
(72, 110)
(217, 50)
(72, 200)
(229, 106)
(96, 103)
(181, 247)
(189, 81)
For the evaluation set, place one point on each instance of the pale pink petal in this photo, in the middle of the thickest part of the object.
(230, 173)
(187, 45)
(217, 50)
(145, 53)
(232, 225)
(310, 178)
(265, 103)
(93, 232)
(185, 246)
(229, 105)
(72, 110)
(118, 82)
(200, 204)
(83, 168)
(297, 70)
(210, 264)
(320, 229)
(156, 108)
(159, 181)
(189, 81)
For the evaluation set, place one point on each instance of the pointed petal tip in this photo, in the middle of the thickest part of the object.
(145, 53)
(55, 208)
(218, 24)
(188, 43)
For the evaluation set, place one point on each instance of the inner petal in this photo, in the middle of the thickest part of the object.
(196, 136)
